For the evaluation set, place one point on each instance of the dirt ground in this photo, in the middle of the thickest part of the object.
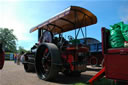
(13, 74)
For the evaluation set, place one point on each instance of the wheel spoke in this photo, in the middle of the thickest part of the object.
(44, 68)
(46, 62)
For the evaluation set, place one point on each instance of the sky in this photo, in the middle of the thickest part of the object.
(22, 15)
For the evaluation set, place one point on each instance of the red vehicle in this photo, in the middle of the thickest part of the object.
(1, 57)
(55, 53)
(96, 57)
(116, 59)
(115, 62)
(95, 49)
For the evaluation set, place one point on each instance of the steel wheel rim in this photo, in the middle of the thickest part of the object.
(45, 63)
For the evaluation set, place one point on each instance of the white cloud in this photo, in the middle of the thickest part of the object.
(10, 18)
(21, 32)
(19, 29)
(124, 19)
(124, 13)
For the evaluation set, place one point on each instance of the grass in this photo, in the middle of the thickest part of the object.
(102, 81)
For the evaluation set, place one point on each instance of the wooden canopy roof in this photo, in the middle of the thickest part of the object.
(71, 18)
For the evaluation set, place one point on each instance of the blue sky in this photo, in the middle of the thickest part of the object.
(22, 15)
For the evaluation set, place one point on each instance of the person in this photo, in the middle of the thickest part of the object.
(15, 56)
(18, 59)
(22, 57)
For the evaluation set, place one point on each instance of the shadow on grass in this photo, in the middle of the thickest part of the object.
(61, 79)
(93, 69)
(82, 80)
(70, 80)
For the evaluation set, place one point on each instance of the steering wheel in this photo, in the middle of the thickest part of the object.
(47, 37)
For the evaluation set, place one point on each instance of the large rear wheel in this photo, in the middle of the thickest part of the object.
(45, 62)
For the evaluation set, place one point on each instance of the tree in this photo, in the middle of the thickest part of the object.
(21, 49)
(8, 39)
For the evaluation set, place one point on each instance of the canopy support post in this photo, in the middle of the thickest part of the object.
(85, 36)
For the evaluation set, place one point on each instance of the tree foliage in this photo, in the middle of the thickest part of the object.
(21, 49)
(8, 39)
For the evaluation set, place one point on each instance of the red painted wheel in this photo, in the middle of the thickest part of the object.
(46, 60)
(2, 55)
(93, 61)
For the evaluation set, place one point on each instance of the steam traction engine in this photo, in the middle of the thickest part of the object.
(55, 53)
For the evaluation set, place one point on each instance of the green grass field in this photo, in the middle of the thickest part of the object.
(102, 81)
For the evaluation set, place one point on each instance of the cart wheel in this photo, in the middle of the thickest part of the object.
(93, 61)
(45, 59)
(29, 67)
